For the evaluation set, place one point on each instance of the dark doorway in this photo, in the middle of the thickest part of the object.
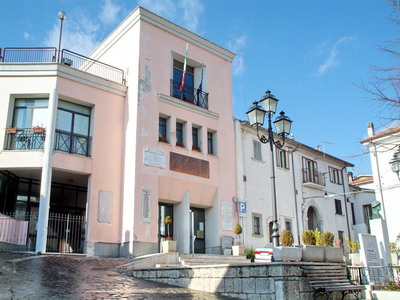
(165, 230)
(198, 215)
(312, 219)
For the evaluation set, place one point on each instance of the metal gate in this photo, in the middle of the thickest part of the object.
(65, 232)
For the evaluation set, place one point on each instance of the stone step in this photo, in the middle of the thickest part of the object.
(211, 259)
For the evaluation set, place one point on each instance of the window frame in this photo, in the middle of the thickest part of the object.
(257, 154)
(338, 207)
(282, 158)
(179, 134)
(163, 129)
(257, 230)
(335, 176)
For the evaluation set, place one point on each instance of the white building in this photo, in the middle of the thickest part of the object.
(382, 146)
(311, 187)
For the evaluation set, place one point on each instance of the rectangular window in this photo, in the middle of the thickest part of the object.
(288, 225)
(282, 158)
(335, 175)
(257, 224)
(310, 172)
(257, 150)
(340, 235)
(367, 213)
(338, 207)
(210, 142)
(179, 134)
(162, 130)
(187, 91)
(195, 139)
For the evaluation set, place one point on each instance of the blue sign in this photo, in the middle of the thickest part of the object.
(242, 208)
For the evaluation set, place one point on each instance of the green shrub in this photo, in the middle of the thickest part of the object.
(286, 238)
(325, 239)
(353, 246)
(250, 254)
(308, 237)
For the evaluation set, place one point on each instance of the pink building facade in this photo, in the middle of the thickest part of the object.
(124, 155)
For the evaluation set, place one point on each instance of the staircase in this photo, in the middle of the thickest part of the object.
(211, 259)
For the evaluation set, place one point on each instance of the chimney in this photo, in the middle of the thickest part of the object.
(350, 176)
(371, 130)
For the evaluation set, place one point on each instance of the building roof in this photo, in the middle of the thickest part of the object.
(380, 134)
(362, 179)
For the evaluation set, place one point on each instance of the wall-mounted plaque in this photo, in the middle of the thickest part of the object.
(154, 158)
(189, 165)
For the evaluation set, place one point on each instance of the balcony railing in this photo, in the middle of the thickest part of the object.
(312, 176)
(28, 139)
(73, 143)
(24, 139)
(68, 58)
(189, 94)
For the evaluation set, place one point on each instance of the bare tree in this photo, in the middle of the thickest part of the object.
(384, 89)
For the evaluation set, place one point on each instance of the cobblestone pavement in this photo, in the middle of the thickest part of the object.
(69, 277)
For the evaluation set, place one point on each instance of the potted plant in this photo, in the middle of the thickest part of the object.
(168, 245)
(353, 247)
(311, 252)
(38, 129)
(331, 254)
(12, 130)
(196, 148)
(163, 139)
(238, 250)
(180, 144)
(286, 252)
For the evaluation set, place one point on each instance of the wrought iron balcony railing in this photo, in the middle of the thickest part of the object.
(73, 143)
(312, 176)
(189, 94)
(24, 139)
(29, 139)
(68, 58)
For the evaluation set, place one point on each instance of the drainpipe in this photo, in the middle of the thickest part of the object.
(45, 184)
(295, 194)
(379, 180)
(345, 202)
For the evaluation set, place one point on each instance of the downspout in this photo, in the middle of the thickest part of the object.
(345, 203)
(295, 194)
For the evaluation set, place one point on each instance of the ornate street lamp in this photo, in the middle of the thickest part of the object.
(62, 16)
(395, 162)
(256, 115)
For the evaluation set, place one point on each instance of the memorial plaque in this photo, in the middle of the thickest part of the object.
(370, 259)
(104, 214)
(189, 165)
(154, 158)
(226, 216)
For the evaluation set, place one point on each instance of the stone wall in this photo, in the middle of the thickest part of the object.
(250, 281)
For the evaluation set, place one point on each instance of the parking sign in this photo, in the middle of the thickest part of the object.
(242, 208)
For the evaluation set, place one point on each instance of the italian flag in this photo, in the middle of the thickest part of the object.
(184, 69)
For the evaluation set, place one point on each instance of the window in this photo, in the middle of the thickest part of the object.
(162, 130)
(212, 142)
(367, 213)
(340, 235)
(73, 128)
(257, 150)
(29, 113)
(352, 214)
(338, 207)
(187, 93)
(270, 225)
(335, 175)
(282, 158)
(257, 230)
(196, 139)
(179, 134)
(288, 225)
(310, 172)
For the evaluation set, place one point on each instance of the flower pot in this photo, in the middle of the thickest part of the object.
(333, 254)
(287, 253)
(312, 253)
(12, 130)
(38, 130)
(238, 250)
(355, 259)
(169, 246)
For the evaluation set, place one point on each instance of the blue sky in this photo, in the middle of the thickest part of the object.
(309, 53)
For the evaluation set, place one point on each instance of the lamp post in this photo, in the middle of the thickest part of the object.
(62, 16)
(256, 115)
(395, 162)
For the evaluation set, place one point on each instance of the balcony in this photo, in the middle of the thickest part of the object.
(29, 139)
(67, 58)
(313, 179)
(189, 94)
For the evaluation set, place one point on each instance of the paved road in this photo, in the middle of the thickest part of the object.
(66, 277)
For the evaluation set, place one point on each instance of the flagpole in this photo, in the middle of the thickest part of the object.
(184, 71)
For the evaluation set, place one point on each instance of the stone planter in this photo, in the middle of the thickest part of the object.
(169, 246)
(287, 253)
(312, 253)
(355, 259)
(333, 254)
(385, 295)
(238, 250)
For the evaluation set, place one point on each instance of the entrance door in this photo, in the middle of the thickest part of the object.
(199, 229)
(165, 230)
(312, 219)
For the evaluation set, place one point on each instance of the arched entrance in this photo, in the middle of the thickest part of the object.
(312, 218)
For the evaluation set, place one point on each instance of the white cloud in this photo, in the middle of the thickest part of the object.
(236, 46)
(109, 12)
(26, 36)
(332, 59)
(79, 35)
(186, 13)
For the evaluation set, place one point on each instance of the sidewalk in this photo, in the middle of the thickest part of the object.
(24, 276)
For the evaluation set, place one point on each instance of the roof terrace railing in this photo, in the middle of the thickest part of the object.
(92, 66)
(28, 55)
(68, 58)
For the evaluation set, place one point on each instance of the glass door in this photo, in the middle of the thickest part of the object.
(165, 230)
(199, 229)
